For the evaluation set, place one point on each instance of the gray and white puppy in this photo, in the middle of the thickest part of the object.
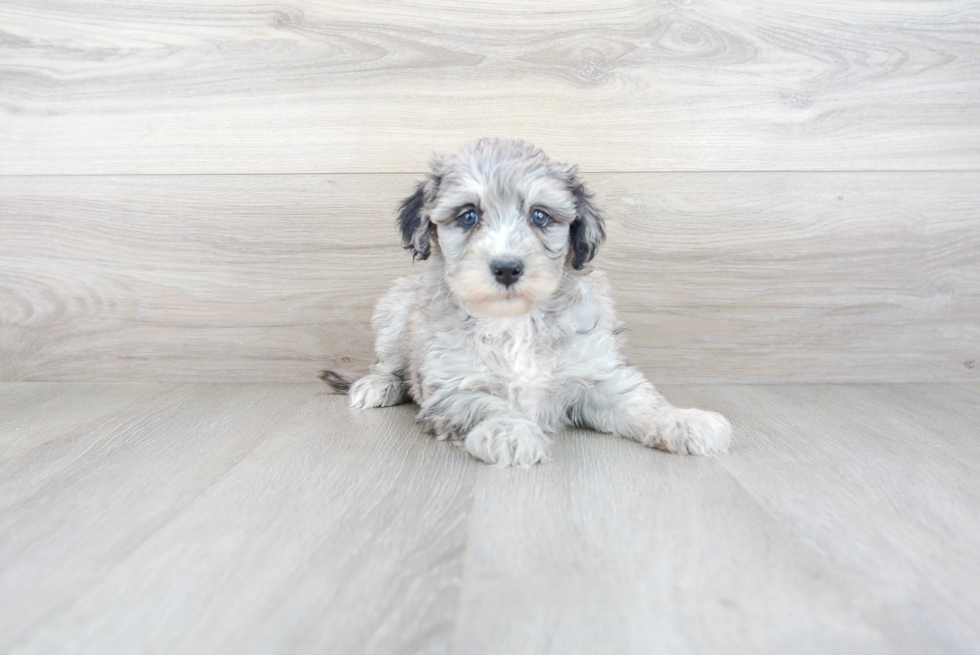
(507, 334)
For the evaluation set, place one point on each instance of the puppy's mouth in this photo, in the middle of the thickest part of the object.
(508, 305)
(515, 299)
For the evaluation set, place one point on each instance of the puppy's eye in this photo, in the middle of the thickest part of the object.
(468, 219)
(540, 219)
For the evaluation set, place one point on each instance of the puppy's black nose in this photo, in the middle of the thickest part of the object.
(507, 272)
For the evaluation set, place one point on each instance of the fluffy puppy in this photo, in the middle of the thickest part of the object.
(507, 334)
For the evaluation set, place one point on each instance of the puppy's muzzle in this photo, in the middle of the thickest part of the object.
(507, 272)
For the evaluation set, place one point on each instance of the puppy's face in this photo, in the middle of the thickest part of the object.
(508, 221)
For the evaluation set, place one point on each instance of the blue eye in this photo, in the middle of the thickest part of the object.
(468, 219)
(540, 219)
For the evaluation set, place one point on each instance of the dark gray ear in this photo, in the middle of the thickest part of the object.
(413, 223)
(587, 231)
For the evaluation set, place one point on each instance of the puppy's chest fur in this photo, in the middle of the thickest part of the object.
(540, 363)
(522, 356)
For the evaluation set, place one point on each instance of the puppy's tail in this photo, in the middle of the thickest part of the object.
(339, 382)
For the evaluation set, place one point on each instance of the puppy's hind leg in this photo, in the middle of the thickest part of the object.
(374, 390)
(385, 385)
(378, 390)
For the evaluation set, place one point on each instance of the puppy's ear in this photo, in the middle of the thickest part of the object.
(413, 223)
(587, 231)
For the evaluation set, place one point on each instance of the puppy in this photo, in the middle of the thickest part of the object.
(507, 334)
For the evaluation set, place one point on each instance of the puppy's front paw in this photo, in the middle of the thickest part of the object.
(507, 442)
(691, 432)
(377, 391)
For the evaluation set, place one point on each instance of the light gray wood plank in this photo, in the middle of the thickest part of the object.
(798, 277)
(236, 519)
(76, 508)
(721, 277)
(617, 548)
(260, 518)
(844, 520)
(48, 412)
(15, 396)
(330, 87)
(881, 481)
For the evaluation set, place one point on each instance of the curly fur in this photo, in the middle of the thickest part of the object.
(497, 366)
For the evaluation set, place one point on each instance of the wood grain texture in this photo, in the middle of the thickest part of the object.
(231, 518)
(613, 548)
(842, 528)
(271, 518)
(721, 277)
(880, 480)
(336, 87)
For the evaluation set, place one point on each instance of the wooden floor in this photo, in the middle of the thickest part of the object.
(209, 518)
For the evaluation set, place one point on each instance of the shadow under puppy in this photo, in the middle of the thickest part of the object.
(507, 333)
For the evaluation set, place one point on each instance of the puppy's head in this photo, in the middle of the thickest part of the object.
(508, 221)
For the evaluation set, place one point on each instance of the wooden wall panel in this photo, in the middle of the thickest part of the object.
(630, 85)
(721, 277)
